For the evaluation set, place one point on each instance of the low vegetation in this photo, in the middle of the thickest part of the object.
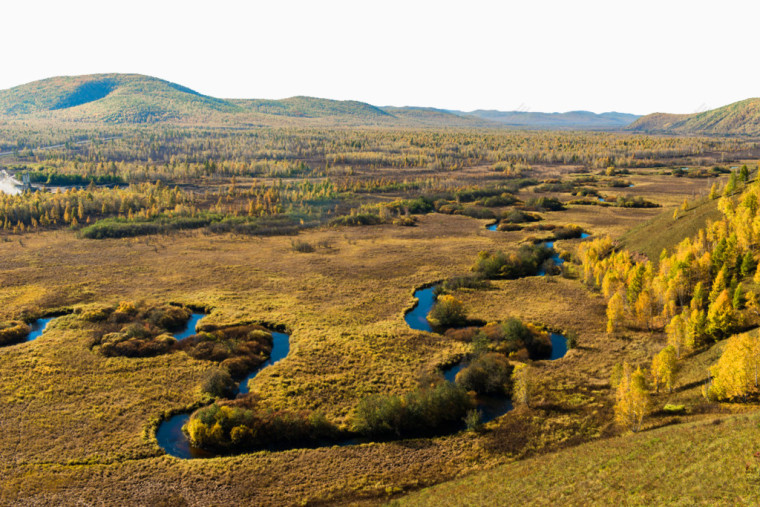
(13, 332)
(240, 425)
(426, 411)
(489, 373)
(525, 262)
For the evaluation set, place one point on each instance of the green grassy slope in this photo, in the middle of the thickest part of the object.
(663, 231)
(738, 118)
(697, 463)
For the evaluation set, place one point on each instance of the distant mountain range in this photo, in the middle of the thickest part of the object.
(572, 119)
(138, 99)
(739, 118)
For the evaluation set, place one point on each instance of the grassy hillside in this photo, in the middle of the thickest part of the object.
(738, 118)
(629, 470)
(662, 231)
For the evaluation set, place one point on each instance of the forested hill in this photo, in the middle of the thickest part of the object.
(739, 118)
(138, 99)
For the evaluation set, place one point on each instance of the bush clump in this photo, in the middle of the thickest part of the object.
(463, 282)
(489, 373)
(218, 383)
(447, 311)
(514, 337)
(356, 220)
(134, 331)
(505, 227)
(423, 412)
(239, 425)
(634, 202)
(405, 221)
(526, 262)
(567, 232)
(302, 246)
(519, 217)
(97, 314)
(477, 212)
(504, 199)
(544, 204)
(238, 349)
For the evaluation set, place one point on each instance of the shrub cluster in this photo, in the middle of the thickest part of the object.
(544, 204)
(489, 373)
(423, 412)
(515, 216)
(358, 219)
(511, 337)
(526, 262)
(462, 282)
(239, 425)
(238, 349)
(447, 311)
(137, 332)
(634, 202)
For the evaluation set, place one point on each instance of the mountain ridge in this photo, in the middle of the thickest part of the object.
(138, 99)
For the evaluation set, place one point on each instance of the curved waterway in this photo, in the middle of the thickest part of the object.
(169, 434)
(280, 349)
(173, 440)
(38, 327)
(491, 407)
(190, 327)
(416, 318)
(555, 256)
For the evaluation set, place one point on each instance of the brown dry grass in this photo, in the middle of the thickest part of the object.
(76, 426)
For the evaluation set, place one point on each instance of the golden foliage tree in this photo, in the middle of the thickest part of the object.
(736, 372)
(664, 368)
(521, 384)
(615, 312)
(632, 399)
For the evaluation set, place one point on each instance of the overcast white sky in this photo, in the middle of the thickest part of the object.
(636, 56)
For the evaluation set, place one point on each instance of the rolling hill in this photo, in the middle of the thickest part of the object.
(739, 118)
(138, 99)
(110, 98)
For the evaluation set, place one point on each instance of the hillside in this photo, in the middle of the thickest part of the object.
(110, 98)
(629, 470)
(432, 117)
(311, 107)
(663, 232)
(569, 120)
(739, 118)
